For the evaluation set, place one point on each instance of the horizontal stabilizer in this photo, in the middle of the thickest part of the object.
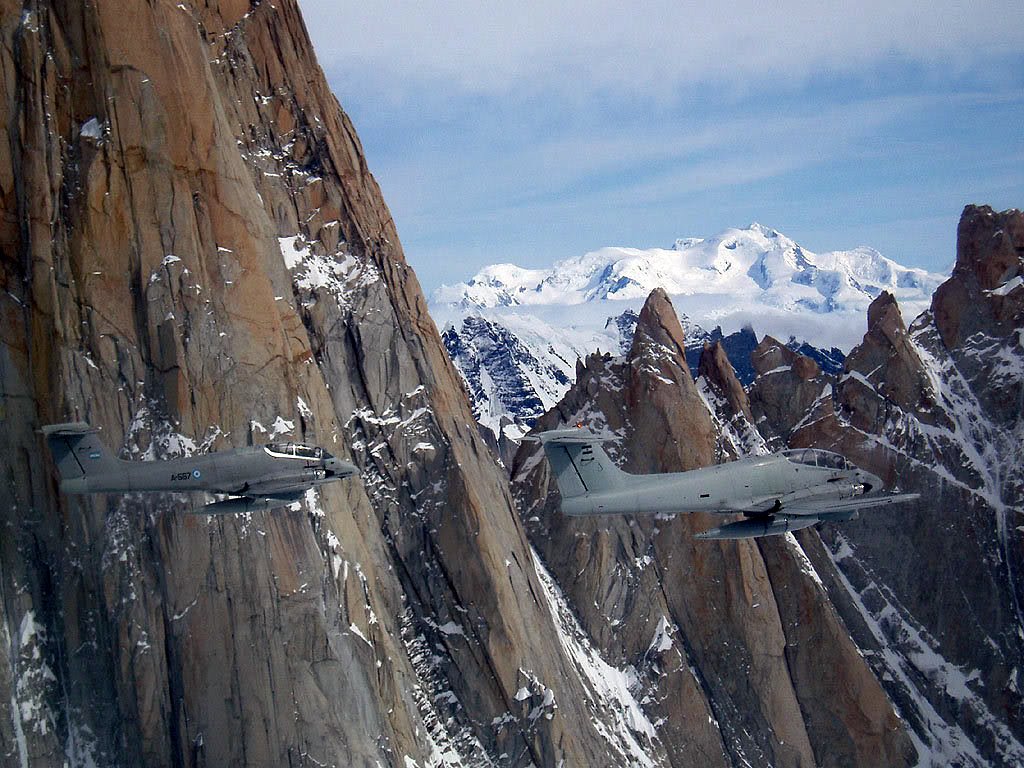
(571, 435)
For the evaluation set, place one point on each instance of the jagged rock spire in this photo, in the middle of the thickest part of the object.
(715, 367)
(662, 392)
(658, 333)
(786, 387)
(656, 578)
(885, 364)
(986, 290)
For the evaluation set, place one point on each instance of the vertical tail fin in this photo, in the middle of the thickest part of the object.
(580, 464)
(78, 452)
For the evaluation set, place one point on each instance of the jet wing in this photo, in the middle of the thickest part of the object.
(846, 505)
(795, 517)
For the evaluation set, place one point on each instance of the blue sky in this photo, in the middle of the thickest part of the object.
(537, 131)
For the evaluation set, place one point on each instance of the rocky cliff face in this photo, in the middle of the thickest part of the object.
(785, 389)
(936, 408)
(736, 652)
(195, 256)
(517, 367)
(927, 596)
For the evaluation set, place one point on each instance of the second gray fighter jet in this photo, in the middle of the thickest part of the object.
(777, 493)
(260, 476)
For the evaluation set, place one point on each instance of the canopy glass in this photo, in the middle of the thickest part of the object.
(297, 450)
(815, 457)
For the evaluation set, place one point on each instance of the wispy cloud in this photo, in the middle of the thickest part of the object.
(530, 131)
(593, 46)
(640, 162)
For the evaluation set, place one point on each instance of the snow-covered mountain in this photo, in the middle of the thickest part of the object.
(516, 334)
(756, 264)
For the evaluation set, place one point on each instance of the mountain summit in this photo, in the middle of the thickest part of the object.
(757, 264)
(515, 334)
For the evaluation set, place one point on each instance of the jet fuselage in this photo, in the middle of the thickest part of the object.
(264, 476)
(253, 469)
(759, 482)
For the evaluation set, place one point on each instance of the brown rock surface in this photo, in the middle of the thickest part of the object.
(886, 370)
(980, 309)
(785, 389)
(195, 256)
(718, 371)
(990, 253)
(727, 401)
(728, 689)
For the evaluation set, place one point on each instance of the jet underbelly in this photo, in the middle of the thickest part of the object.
(238, 472)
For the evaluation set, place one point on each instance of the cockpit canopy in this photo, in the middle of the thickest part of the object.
(815, 457)
(297, 451)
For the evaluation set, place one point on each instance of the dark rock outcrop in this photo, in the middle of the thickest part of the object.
(737, 345)
(729, 405)
(786, 388)
(715, 367)
(979, 312)
(886, 369)
(989, 258)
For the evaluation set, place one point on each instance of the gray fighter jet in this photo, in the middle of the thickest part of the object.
(777, 493)
(260, 476)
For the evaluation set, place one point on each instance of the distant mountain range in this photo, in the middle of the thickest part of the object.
(516, 334)
(756, 264)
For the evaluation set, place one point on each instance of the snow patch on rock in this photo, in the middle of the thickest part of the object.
(618, 716)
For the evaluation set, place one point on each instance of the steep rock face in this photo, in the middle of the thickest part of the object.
(516, 367)
(737, 347)
(978, 311)
(195, 256)
(886, 369)
(785, 389)
(936, 409)
(726, 640)
(658, 358)
(990, 246)
(715, 367)
(729, 405)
